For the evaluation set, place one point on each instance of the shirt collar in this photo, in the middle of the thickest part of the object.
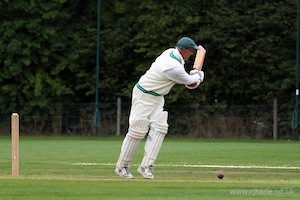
(178, 55)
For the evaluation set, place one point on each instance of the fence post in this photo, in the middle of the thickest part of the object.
(274, 119)
(119, 104)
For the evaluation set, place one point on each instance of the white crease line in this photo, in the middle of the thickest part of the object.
(198, 166)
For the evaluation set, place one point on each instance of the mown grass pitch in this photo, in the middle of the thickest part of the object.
(83, 168)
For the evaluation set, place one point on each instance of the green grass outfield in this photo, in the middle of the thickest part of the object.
(83, 168)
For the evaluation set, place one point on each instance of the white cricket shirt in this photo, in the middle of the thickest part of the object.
(166, 71)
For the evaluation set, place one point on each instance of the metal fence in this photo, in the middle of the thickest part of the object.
(193, 120)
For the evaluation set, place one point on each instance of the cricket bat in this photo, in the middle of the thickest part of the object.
(199, 59)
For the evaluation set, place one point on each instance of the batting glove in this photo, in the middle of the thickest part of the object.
(196, 71)
(201, 74)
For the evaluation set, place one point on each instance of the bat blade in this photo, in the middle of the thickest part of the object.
(199, 59)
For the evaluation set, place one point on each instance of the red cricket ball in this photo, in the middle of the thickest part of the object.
(220, 175)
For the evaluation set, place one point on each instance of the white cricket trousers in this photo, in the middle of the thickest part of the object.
(146, 106)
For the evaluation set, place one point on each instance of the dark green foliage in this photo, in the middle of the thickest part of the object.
(45, 55)
(48, 51)
(252, 51)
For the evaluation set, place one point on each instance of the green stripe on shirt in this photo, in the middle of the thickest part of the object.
(145, 91)
(172, 55)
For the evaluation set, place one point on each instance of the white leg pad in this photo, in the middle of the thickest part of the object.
(155, 140)
(138, 129)
(149, 140)
(136, 132)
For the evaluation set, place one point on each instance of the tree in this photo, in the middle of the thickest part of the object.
(251, 50)
(132, 40)
(46, 52)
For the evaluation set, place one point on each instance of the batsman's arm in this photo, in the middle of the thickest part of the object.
(199, 60)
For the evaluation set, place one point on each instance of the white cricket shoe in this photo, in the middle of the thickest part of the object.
(124, 172)
(147, 172)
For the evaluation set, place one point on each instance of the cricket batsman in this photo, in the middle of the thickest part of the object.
(147, 115)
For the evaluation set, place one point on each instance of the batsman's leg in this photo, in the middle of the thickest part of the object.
(136, 132)
(153, 145)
